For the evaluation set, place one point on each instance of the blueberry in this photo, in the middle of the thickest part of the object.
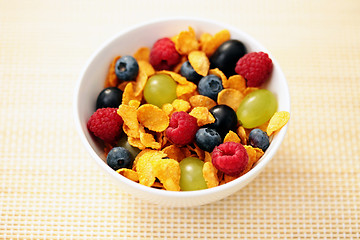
(225, 119)
(259, 139)
(189, 73)
(227, 55)
(119, 157)
(210, 86)
(126, 68)
(109, 97)
(207, 139)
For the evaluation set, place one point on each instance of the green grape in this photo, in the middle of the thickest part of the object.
(191, 177)
(256, 108)
(160, 89)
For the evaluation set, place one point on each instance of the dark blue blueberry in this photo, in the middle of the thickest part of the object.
(225, 119)
(188, 71)
(126, 68)
(207, 139)
(210, 86)
(227, 55)
(109, 97)
(259, 139)
(119, 157)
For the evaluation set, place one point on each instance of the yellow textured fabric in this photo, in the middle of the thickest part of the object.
(51, 189)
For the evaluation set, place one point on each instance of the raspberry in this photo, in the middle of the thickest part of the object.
(106, 124)
(163, 55)
(255, 67)
(230, 158)
(182, 128)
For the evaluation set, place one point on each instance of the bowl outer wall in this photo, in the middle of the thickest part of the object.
(126, 42)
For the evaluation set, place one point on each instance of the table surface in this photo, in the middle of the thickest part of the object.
(51, 189)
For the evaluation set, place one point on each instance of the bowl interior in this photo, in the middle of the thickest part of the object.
(92, 79)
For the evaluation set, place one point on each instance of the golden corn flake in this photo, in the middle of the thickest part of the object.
(181, 105)
(158, 185)
(230, 97)
(148, 141)
(187, 88)
(219, 73)
(204, 38)
(231, 137)
(202, 115)
(210, 45)
(111, 78)
(207, 157)
(200, 62)
(177, 77)
(228, 178)
(178, 66)
(136, 142)
(129, 174)
(142, 54)
(277, 121)
(187, 96)
(134, 103)
(168, 172)
(249, 90)
(129, 94)
(186, 152)
(186, 42)
(242, 134)
(263, 126)
(122, 85)
(129, 116)
(199, 152)
(161, 138)
(144, 169)
(168, 108)
(202, 101)
(140, 82)
(174, 152)
(235, 82)
(152, 117)
(254, 155)
(146, 67)
(210, 175)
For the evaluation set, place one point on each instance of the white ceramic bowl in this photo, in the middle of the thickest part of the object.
(126, 42)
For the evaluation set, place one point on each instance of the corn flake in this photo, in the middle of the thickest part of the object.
(168, 172)
(242, 134)
(277, 121)
(152, 117)
(219, 73)
(187, 88)
(186, 42)
(200, 62)
(181, 105)
(231, 137)
(210, 45)
(111, 78)
(202, 101)
(235, 82)
(210, 175)
(202, 115)
(207, 157)
(168, 108)
(129, 94)
(142, 54)
(129, 174)
(136, 142)
(129, 116)
(230, 97)
(174, 152)
(148, 141)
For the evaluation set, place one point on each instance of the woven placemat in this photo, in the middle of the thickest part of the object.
(51, 189)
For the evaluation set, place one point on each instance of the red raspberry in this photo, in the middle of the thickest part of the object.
(255, 67)
(230, 158)
(106, 124)
(163, 55)
(182, 128)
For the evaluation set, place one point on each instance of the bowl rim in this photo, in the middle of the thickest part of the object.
(165, 193)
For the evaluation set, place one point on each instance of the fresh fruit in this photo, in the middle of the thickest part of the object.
(119, 157)
(210, 86)
(227, 55)
(207, 139)
(163, 54)
(191, 177)
(109, 97)
(259, 139)
(106, 124)
(126, 68)
(160, 89)
(225, 119)
(182, 128)
(256, 108)
(189, 73)
(255, 67)
(230, 158)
